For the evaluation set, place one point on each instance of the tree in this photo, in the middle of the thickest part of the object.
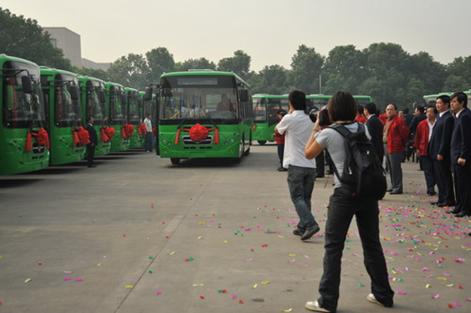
(239, 64)
(458, 74)
(344, 69)
(24, 38)
(130, 71)
(306, 67)
(159, 60)
(273, 79)
(201, 63)
(101, 74)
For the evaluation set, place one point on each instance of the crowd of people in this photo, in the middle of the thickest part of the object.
(354, 136)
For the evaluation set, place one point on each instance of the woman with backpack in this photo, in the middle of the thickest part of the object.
(347, 142)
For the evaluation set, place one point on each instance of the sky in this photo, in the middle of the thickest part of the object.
(270, 31)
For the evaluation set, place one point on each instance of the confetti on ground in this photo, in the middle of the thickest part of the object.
(28, 280)
(288, 310)
(129, 286)
(198, 285)
(172, 253)
(158, 292)
(189, 259)
(254, 286)
(202, 297)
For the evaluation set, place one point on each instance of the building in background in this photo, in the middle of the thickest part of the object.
(69, 42)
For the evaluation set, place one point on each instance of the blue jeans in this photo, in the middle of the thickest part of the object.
(301, 183)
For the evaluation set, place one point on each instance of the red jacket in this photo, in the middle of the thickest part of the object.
(421, 138)
(383, 118)
(398, 134)
(279, 139)
(360, 119)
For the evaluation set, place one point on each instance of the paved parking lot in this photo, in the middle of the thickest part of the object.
(135, 234)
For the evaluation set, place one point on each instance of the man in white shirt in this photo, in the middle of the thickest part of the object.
(301, 172)
(148, 138)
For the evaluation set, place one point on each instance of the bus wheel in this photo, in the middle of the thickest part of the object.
(261, 142)
(175, 161)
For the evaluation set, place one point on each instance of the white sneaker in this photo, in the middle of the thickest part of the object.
(314, 306)
(371, 298)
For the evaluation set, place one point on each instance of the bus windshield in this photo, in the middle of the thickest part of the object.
(67, 106)
(273, 106)
(259, 109)
(95, 101)
(22, 110)
(134, 116)
(195, 97)
(117, 105)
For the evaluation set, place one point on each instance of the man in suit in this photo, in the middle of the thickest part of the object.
(439, 151)
(375, 128)
(461, 153)
(93, 142)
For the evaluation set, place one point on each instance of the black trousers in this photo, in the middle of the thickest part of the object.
(426, 164)
(444, 179)
(90, 154)
(463, 187)
(341, 210)
(281, 151)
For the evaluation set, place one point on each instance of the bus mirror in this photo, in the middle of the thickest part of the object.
(26, 84)
(244, 95)
(148, 94)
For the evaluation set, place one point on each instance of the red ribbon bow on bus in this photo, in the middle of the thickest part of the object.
(41, 136)
(198, 133)
(107, 133)
(142, 130)
(126, 131)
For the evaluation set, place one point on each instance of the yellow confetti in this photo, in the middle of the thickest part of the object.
(198, 285)
(442, 278)
(292, 254)
(226, 241)
(172, 253)
(394, 272)
(266, 282)
(428, 286)
(255, 286)
(202, 222)
(288, 310)
(450, 285)
(200, 237)
(1, 257)
(129, 286)
(27, 280)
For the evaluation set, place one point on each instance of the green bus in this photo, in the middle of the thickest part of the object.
(265, 107)
(23, 140)
(362, 99)
(62, 102)
(135, 116)
(92, 98)
(116, 102)
(316, 102)
(204, 114)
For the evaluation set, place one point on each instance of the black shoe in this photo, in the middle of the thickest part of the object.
(454, 211)
(442, 205)
(389, 190)
(92, 165)
(282, 169)
(320, 176)
(463, 214)
(434, 203)
(310, 232)
(431, 193)
(396, 192)
(298, 232)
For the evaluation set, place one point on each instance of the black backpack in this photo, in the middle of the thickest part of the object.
(363, 173)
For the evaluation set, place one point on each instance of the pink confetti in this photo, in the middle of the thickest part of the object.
(454, 305)
(459, 260)
(402, 292)
(436, 296)
(234, 296)
(78, 279)
(158, 292)
(67, 278)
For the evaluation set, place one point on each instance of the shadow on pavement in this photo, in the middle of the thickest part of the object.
(17, 182)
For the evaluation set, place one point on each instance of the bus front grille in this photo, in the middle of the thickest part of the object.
(207, 141)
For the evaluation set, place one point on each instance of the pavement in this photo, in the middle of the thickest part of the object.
(136, 234)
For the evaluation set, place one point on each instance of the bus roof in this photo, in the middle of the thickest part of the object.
(268, 96)
(85, 78)
(361, 97)
(6, 58)
(318, 96)
(203, 73)
(109, 84)
(53, 71)
(130, 89)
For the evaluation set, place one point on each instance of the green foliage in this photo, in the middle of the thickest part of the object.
(159, 60)
(24, 38)
(459, 74)
(272, 79)
(306, 67)
(101, 74)
(201, 63)
(130, 71)
(239, 64)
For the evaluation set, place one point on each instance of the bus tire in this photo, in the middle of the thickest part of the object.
(175, 161)
(261, 142)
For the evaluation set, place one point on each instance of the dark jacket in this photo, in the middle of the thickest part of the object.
(441, 136)
(415, 122)
(460, 146)
(92, 133)
(375, 128)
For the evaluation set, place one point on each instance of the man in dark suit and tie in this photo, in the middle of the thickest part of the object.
(375, 128)
(93, 142)
(439, 151)
(461, 153)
